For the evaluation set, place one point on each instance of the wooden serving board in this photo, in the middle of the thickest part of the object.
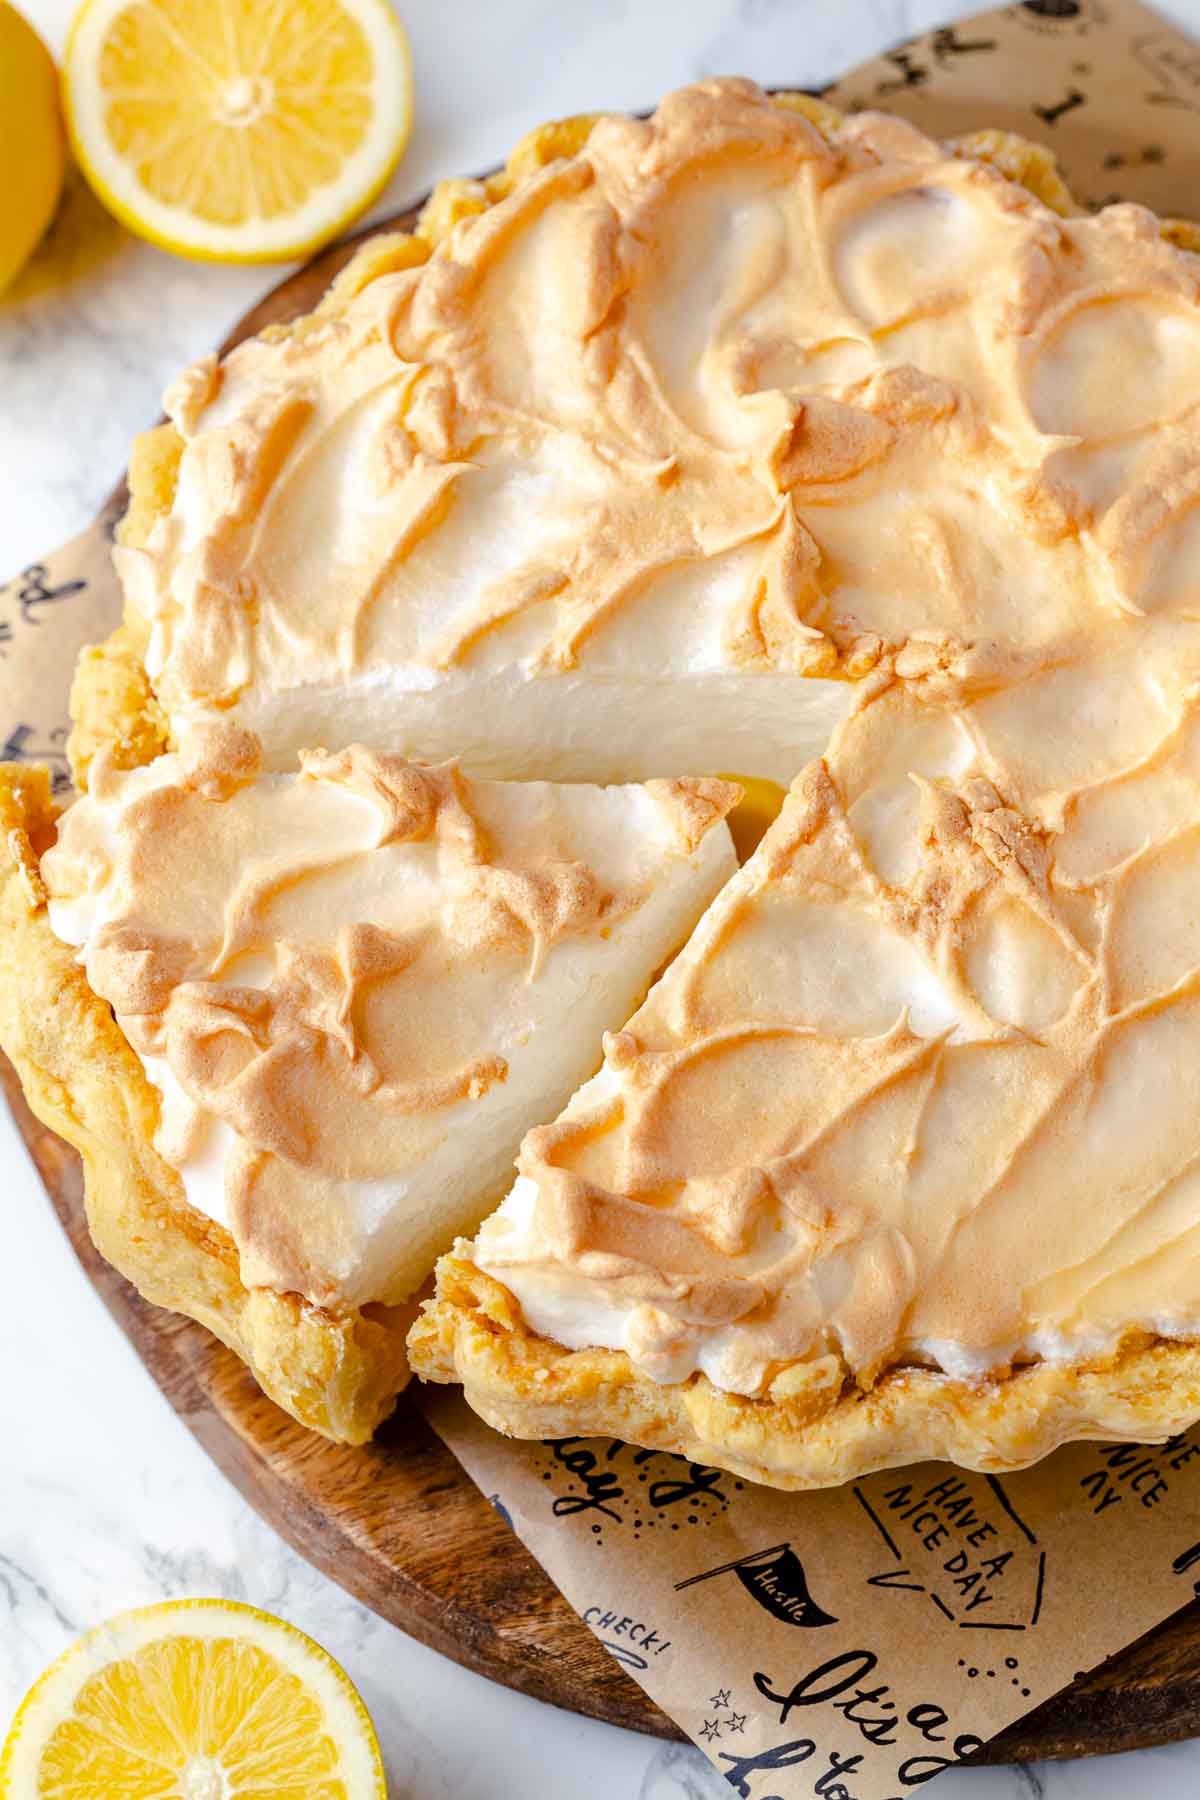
(402, 1527)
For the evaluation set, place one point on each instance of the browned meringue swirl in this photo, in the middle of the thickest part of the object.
(691, 428)
(925, 1084)
(356, 986)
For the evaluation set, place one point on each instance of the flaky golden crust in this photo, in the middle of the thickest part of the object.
(336, 1373)
(527, 1387)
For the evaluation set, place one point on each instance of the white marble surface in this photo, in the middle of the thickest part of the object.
(105, 1500)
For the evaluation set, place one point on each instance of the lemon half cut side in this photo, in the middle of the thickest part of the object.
(237, 130)
(193, 1700)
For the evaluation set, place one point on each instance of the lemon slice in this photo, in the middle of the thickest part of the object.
(193, 1700)
(237, 130)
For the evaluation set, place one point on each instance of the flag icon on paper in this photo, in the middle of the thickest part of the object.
(776, 1579)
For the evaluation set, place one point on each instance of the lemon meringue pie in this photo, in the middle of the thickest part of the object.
(746, 437)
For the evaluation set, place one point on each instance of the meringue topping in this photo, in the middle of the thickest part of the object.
(925, 1084)
(718, 436)
(653, 460)
(355, 986)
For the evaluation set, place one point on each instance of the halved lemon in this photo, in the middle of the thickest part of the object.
(193, 1700)
(237, 130)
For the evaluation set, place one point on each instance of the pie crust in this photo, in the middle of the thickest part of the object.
(528, 1387)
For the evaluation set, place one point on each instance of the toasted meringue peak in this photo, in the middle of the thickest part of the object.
(654, 459)
(355, 986)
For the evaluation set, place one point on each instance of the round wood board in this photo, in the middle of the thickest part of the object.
(402, 1527)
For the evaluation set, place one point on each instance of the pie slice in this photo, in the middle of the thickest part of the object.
(338, 997)
(901, 1157)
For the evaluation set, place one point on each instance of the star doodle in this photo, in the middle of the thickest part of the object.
(736, 1721)
(711, 1729)
(719, 1699)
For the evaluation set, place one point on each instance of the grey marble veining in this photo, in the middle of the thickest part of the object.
(106, 1502)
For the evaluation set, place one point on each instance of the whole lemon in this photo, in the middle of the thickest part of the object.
(32, 143)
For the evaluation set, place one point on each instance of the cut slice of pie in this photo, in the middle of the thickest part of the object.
(338, 998)
(901, 1157)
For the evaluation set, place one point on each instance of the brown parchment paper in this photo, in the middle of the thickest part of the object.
(853, 1643)
(850, 1643)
